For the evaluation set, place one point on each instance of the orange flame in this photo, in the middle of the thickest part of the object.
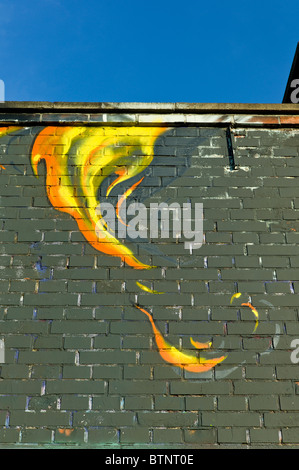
(255, 312)
(199, 345)
(67, 432)
(178, 358)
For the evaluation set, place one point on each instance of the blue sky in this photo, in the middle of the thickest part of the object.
(147, 51)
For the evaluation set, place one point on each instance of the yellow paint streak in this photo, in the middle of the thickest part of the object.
(178, 358)
(235, 296)
(199, 345)
(147, 289)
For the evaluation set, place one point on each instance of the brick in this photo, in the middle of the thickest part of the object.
(235, 418)
(230, 435)
(43, 403)
(106, 403)
(263, 402)
(103, 435)
(107, 357)
(78, 326)
(46, 357)
(9, 436)
(268, 387)
(138, 403)
(289, 403)
(104, 418)
(232, 403)
(200, 403)
(137, 372)
(281, 419)
(45, 371)
(195, 388)
(74, 386)
(167, 418)
(74, 403)
(140, 387)
(107, 371)
(169, 435)
(169, 403)
(76, 372)
(242, 226)
(18, 386)
(264, 436)
(50, 299)
(137, 435)
(36, 436)
(48, 418)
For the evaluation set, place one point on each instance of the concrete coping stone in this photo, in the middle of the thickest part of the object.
(146, 114)
(189, 108)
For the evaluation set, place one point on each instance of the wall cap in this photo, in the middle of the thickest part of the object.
(201, 108)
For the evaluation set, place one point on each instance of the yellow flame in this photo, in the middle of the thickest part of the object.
(178, 358)
(147, 289)
(199, 345)
(235, 296)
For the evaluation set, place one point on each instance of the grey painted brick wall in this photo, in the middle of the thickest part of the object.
(82, 367)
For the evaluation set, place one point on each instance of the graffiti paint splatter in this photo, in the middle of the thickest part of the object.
(254, 311)
(147, 289)
(199, 345)
(235, 296)
(178, 358)
(67, 432)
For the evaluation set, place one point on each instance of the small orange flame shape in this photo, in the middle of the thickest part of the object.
(147, 289)
(178, 358)
(67, 432)
(254, 311)
(199, 345)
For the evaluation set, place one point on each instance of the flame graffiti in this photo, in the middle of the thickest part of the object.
(178, 358)
(254, 311)
(79, 160)
(247, 304)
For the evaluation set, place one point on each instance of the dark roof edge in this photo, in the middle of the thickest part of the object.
(190, 108)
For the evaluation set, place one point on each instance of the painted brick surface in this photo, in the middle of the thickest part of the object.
(98, 335)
